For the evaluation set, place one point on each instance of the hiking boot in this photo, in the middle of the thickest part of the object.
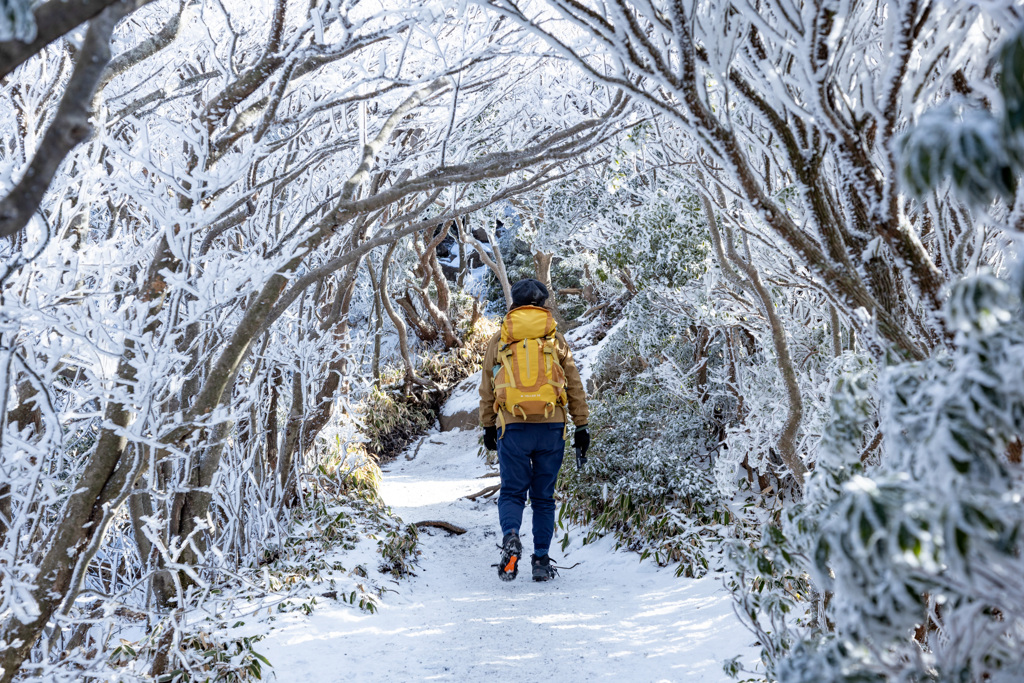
(511, 552)
(543, 569)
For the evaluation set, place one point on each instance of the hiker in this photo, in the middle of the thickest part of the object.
(528, 379)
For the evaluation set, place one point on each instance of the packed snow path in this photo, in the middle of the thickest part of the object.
(611, 617)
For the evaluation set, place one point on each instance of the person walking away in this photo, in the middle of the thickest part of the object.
(529, 379)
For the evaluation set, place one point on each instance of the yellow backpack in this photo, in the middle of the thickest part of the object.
(528, 379)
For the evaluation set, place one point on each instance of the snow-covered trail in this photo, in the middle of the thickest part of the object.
(611, 617)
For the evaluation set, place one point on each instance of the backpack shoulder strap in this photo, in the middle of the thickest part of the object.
(504, 358)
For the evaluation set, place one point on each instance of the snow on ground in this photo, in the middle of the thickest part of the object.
(611, 617)
(465, 398)
(586, 357)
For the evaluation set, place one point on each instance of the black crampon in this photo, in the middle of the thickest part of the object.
(511, 553)
(543, 568)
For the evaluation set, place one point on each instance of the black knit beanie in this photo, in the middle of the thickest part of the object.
(529, 292)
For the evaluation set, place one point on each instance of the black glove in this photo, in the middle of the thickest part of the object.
(491, 438)
(582, 440)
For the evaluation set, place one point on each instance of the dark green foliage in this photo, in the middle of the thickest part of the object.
(1011, 82)
(662, 243)
(649, 478)
(214, 657)
(564, 275)
(394, 418)
(398, 550)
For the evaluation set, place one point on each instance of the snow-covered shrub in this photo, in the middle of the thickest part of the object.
(918, 559)
(649, 477)
(392, 418)
(968, 145)
(343, 545)
(771, 587)
(663, 242)
(398, 550)
(205, 655)
(346, 470)
(771, 579)
(648, 481)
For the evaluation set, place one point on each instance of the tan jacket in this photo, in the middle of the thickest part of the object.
(573, 387)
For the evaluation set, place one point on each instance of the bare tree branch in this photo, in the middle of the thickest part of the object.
(69, 127)
(53, 19)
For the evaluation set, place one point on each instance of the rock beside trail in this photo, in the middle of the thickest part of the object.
(461, 411)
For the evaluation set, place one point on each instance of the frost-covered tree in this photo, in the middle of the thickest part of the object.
(786, 120)
(917, 558)
(179, 308)
(915, 552)
(794, 110)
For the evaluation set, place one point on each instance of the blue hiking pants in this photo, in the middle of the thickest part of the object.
(530, 456)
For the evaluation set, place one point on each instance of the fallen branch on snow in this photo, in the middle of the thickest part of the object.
(487, 492)
(447, 526)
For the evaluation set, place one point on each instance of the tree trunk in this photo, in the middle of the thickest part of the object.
(837, 333)
(787, 440)
(396, 320)
(423, 330)
(542, 271)
(292, 437)
(378, 330)
(496, 265)
(700, 357)
(274, 378)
